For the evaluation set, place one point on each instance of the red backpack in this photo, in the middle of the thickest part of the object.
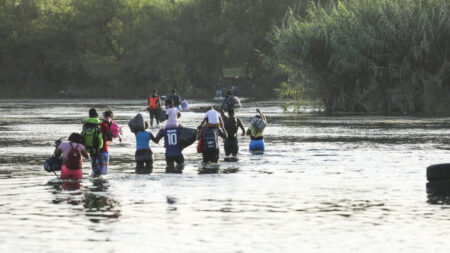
(73, 160)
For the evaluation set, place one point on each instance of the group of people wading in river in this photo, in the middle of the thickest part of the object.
(97, 134)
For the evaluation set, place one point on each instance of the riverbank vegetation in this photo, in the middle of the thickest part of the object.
(383, 56)
(126, 48)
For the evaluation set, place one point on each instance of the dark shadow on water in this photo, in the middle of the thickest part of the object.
(97, 203)
(438, 192)
(175, 170)
(95, 198)
(66, 191)
(209, 168)
(215, 168)
(230, 170)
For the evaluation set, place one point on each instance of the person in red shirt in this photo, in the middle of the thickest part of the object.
(107, 138)
(153, 107)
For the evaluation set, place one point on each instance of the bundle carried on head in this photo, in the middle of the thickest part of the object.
(137, 124)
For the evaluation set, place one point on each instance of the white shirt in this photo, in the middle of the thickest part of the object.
(212, 116)
(172, 114)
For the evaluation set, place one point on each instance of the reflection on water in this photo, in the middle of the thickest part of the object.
(357, 181)
(178, 169)
(66, 191)
(94, 198)
(98, 204)
(438, 192)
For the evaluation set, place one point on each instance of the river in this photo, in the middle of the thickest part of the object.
(324, 184)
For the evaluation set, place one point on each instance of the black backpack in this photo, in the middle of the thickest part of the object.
(108, 135)
(54, 163)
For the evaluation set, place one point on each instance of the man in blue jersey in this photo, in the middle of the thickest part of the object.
(173, 151)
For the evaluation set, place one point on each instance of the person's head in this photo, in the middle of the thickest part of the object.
(211, 108)
(229, 93)
(169, 102)
(108, 114)
(93, 113)
(231, 112)
(75, 137)
(58, 142)
(174, 91)
(155, 92)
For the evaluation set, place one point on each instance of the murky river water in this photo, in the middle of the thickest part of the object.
(328, 184)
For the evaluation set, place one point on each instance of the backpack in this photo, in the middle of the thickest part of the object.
(231, 126)
(108, 134)
(210, 138)
(114, 128)
(73, 159)
(90, 136)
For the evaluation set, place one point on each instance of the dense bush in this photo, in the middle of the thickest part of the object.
(126, 48)
(368, 56)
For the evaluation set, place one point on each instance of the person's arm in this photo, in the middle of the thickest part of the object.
(158, 136)
(241, 126)
(84, 154)
(223, 133)
(158, 104)
(201, 124)
(221, 125)
(152, 137)
(261, 115)
(249, 132)
(57, 153)
(100, 140)
(200, 133)
(178, 115)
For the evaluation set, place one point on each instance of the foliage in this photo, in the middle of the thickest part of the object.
(368, 56)
(126, 48)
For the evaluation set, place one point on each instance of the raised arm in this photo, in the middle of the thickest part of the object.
(261, 115)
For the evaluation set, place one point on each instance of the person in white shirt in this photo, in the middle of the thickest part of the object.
(212, 119)
(172, 115)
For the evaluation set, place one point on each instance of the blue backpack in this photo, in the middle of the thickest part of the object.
(210, 138)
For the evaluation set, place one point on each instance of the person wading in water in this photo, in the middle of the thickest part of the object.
(153, 107)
